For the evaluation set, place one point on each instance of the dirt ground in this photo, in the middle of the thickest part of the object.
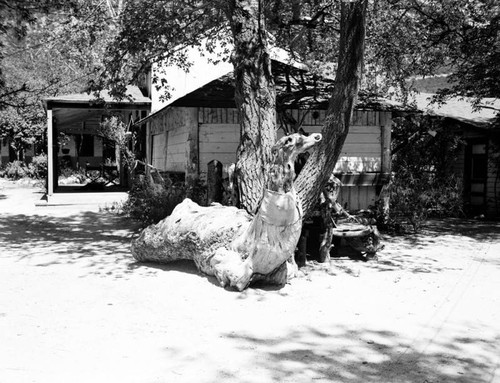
(75, 307)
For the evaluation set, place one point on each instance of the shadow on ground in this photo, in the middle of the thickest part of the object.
(348, 355)
(338, 354)
(475, 229)
(102, 242)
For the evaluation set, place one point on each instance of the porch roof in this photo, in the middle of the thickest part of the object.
(134, 100)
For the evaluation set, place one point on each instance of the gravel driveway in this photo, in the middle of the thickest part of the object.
(75, 307)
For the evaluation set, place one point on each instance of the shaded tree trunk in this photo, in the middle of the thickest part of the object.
(321, 163)
(255, 98)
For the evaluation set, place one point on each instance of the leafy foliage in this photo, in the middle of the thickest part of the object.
(424, 183)
(23, 127)
(416, 197)
(47, 48)
(152, 31)
(15, 170)
(422, 38)
(405, 39)
(38, 166)
(114, 129)
(36, 169)
(18, 19)
(149, 202)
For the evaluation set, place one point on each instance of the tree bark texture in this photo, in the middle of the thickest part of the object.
(255, 98)
(321, 163)
(329, 208)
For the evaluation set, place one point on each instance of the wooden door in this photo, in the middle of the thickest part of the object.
(476, 174)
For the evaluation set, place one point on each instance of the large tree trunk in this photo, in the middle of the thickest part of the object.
(321, 163)
(235, 248)
(255, 98)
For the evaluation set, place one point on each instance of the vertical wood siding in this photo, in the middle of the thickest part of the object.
(219, 135)
(218, 142)
(493, 184)
(176, 150)
(362, 150)
(174, 124)
(357, 197)
(158, 143)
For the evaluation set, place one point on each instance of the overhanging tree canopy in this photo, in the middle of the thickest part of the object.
(405, 38)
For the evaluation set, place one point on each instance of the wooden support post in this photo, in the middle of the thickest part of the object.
(386, 122)
(149, 149)
(193, 151)
(214, 182)
(384, 194)
(50, 154)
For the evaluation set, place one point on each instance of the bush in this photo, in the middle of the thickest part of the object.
(16, 170)
(424, 185)
(37, 168)
(415, 198)
(149, 202)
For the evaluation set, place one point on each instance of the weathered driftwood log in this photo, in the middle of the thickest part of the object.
(230, 244)
(191, 232)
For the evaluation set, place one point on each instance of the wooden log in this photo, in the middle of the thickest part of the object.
(191, 232)
(224, 242)
(227, 242)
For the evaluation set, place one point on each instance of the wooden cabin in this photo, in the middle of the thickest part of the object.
(188, 133)
(479, 158)
(73, 132)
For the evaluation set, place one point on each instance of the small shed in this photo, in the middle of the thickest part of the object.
(77, 117)
(203, 125)
(479, 160)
